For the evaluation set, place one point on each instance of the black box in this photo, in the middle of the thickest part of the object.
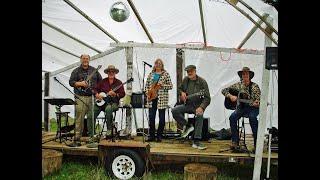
(136, 100)
(205, 127)
(271, 58)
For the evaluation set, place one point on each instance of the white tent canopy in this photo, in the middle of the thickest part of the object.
(168, 22)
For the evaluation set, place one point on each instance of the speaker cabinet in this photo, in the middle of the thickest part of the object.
(271, 58)
(136, 100)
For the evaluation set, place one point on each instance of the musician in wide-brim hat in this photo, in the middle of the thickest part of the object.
(157, 86)
(252, 92)
(106, 86)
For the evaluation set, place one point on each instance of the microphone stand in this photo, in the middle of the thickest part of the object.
(143, 93)
(75, 95)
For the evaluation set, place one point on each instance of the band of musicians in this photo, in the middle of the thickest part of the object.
(97, 93)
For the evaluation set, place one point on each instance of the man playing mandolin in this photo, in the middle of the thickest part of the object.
(112, 103)
(250, 109)
(82, 88)
(157, 86)
(191, 85)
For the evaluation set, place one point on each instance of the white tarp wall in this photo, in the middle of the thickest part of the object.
(167, 21)
(219, 70)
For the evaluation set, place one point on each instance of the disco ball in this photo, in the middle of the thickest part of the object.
(119, 12)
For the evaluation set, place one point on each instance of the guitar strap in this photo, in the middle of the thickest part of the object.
(250, 89)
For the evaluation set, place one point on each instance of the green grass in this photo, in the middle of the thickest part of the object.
(87, 168)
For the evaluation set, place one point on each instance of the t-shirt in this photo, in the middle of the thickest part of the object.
(155, 77)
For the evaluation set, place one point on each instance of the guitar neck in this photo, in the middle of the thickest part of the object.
(93, 72)
(245, 101)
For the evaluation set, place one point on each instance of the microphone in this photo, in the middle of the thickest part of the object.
(147, 63)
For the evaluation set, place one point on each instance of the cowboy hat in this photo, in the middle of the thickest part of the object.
(251, 73)
(111, 67)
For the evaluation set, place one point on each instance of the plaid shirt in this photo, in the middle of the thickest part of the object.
(163, 95)
(255, 91)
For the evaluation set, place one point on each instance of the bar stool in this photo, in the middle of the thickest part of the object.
(59, 116)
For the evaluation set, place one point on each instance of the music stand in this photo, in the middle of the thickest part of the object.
(60, 102)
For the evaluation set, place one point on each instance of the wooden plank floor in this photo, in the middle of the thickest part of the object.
(169, 150)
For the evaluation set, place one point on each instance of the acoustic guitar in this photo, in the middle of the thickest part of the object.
(243, 98)
(190, 97)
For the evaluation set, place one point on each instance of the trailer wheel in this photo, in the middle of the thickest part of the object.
(124, 164)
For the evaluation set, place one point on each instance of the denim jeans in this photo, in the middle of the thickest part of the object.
(152, 117)
(108, 110)
(248, 112)
(178, 115)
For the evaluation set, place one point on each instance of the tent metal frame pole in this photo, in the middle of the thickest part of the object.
(70, 36)
(252, 20)
(254, 28)
(140, 20)
(262, 116)
(188, 46)
(107, 52)
(46, 105)
(59, 48)
(202, 23)
(89, 19)
(257, 14)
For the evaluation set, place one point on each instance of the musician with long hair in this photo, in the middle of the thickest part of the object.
(157, 86)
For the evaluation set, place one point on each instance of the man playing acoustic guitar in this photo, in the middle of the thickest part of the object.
(191, 85)
(250, 110)
(82, 89)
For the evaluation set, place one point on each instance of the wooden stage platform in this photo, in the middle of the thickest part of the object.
(168, 151)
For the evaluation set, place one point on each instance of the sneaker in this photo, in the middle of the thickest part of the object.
(108, 133)
(75, 144)
(92, 145)
(199, 145)
(186, 131)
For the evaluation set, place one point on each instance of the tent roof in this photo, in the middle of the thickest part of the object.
(172, 22)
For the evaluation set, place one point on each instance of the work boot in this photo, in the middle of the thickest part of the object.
(234, 145)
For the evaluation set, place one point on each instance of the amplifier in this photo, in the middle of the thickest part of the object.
(136, 99)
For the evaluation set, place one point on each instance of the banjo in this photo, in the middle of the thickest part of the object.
(106, 98)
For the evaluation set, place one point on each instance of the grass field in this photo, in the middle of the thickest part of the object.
(86, 168)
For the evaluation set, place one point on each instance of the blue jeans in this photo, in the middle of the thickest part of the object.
(178, 115)
(152, 117)
(248, 112)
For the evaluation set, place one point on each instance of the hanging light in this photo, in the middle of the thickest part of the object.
(119, 12)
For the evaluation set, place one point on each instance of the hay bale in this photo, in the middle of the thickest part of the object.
(51, 161)
(197, 171)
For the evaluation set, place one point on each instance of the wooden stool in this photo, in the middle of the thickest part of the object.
(197, 171)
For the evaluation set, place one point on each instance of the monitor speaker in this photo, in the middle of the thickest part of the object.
(271, 58)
